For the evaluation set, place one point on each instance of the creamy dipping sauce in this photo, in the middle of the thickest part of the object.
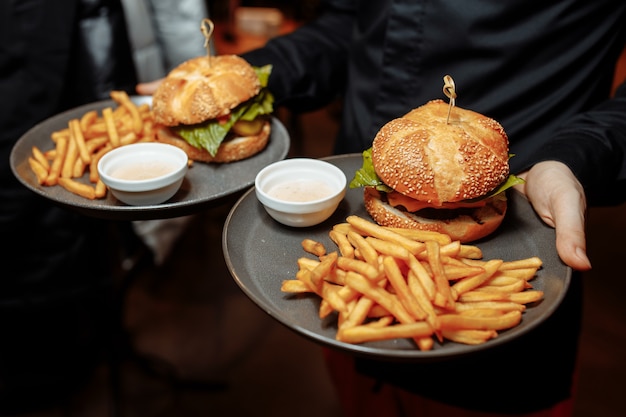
(300, 190)
(138, 171)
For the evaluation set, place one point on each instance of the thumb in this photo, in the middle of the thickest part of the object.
(569, 221)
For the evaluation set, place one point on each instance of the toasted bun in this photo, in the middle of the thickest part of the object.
(426, 158)
(230, 150)
(204, 88)
(469, 226)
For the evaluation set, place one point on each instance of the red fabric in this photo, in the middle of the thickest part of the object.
(360, 396)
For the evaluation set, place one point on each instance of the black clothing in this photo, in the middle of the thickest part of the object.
(536, 67)
(532, 66)
(56, 264)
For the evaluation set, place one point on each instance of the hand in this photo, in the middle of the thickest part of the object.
(147, 89)
(559, 199)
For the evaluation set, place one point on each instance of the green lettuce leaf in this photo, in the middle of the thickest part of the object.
(366, 175)
(211, 134)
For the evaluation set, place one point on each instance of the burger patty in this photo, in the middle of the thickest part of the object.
(444, 214)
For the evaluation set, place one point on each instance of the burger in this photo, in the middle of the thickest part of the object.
(216, 108)
(438, 168)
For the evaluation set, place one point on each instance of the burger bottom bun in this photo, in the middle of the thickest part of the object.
(231, 150)
(481, 222)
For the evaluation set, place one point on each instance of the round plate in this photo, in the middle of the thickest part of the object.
(204, 185)
(261, 253)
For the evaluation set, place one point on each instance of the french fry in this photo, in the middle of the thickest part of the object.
(468, 322)
(424, 301)
(388, 248)
(523, 273)
(422, 235)
(128, 138)
(77, 134)
(70, 158)
(87, 120)
(514, 287)
(364, 333)
(313, 247)
(361, 267)
(323, 269)
(40, 171)
(362, 247)
(96, 143)
(330, 294)
(475, 281)
(532, 262)
(502, 306)
(111, 129)
(57, 163)
(399, 284)
(41, 158)
(79, 168)
(443, 294)
(79, 188)
(63, 133)
(294, 286)
(526, 297)
(125, 102)
(359, 312)
(380, 296)
(307, 263)
(341, 240)
(470, 252)
(372, 229)
(423, 277)
(101, 189)
(96, 129)
(469, 337)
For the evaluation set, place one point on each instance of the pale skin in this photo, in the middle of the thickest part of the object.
(555, 194)
(559, 199)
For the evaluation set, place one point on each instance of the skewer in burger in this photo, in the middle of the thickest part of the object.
(216, 108)
(428, 171)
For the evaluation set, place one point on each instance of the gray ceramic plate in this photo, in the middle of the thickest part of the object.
(204, 184)
(260, 253)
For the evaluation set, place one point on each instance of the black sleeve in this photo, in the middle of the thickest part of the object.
(593, 146)
(309, 64)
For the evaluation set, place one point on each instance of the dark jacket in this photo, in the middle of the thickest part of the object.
(56, 267)
(533, 66)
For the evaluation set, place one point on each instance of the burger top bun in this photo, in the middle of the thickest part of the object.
(204, 88)
(427, 158)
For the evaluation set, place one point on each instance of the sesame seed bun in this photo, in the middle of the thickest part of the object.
(424, 157)
(204, 88)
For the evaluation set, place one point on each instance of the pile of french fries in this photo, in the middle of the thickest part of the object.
(78, 147)
(387, 283)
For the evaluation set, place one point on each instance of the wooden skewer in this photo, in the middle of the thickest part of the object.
(450, 92)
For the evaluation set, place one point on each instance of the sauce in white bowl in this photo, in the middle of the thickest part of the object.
(143, 173)
(300, 192)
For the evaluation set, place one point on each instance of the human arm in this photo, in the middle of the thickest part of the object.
(586, 161)
(593, 146)
(309, 64)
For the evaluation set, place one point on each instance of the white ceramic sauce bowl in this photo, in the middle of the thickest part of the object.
(300, 192)
(143, 174)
